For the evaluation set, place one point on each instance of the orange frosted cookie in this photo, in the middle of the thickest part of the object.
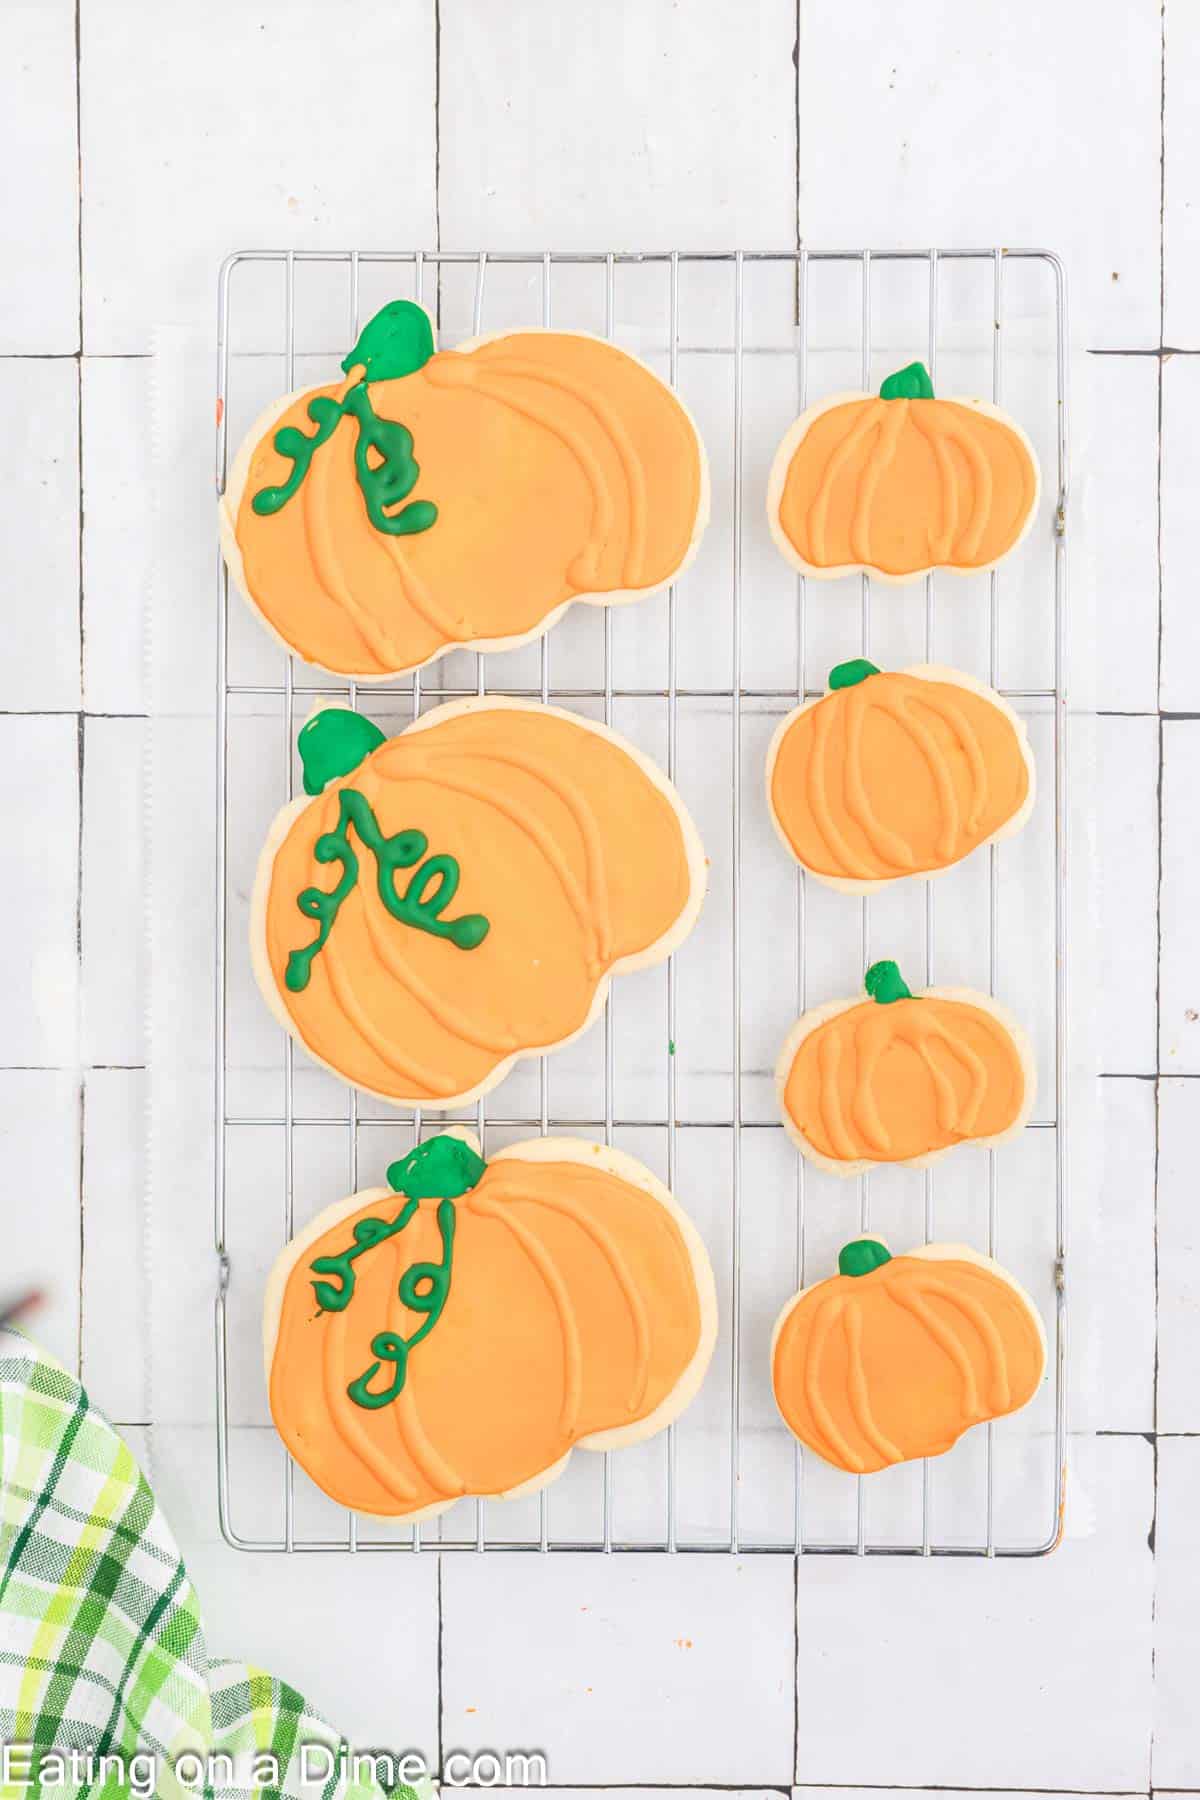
(897, 773)
(897, 1077)
(896, 1356)
(460, 895)
(463, 1329)
(435, 499)
(899, 483)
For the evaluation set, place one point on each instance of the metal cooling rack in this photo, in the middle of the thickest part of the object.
(486, 1528)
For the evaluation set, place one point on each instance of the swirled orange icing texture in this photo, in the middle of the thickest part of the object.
(871, 1370)
(904, 485)
(576, 858)
(572, 1309)
(559, 467)
(885, 1083)
(896, 776)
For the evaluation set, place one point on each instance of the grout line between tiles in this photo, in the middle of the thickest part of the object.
(1164, 353)
(796, 168)
(1162, 301)
(67, 1069)
(79, 356)
(74, 356)
(437, 154)
(798, 282)
(82, 1118)
(81, 1110)
(439, 1746)
(666, 1786)
(64, 712)
(80, 727)
(796, 1667)
(789, 1788)
(1162, 171)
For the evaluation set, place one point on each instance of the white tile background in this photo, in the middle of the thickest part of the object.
(149, 141)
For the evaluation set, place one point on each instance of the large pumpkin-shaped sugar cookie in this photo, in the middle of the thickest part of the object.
(460, 895)
(435, 499)
(900, 483)
(897, 774)
(897, 1077)
(896, 1356)
(463, 1330)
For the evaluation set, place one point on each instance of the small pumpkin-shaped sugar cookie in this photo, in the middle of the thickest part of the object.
(435, 499)
(900, 483)
(895, 1357)
(462, 1330)
(896, 774)
(897, 1077)
(460, 895)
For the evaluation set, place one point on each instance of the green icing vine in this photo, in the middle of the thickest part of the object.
(396, 342)
(422, 1289)
(416, 906)
(444, 1168)
(368, 1235)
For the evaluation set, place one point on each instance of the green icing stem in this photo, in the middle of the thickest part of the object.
(332, 743)
(396, 342)
(909, 383)
(415, 906)
(849, 674)
(862, 1256)
(884, 982)
(442, 1168)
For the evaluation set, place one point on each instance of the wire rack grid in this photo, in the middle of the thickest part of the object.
(708, 1526)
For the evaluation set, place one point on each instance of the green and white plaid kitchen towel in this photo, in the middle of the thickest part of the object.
(102, 1646)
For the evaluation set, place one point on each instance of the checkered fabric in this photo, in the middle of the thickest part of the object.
(101, 1642)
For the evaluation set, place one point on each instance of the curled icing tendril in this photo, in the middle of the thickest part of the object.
(384, 482)
(299, 446)
(423, 1289)
(368, 1233)
(415, 906)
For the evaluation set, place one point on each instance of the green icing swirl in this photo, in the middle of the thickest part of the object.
(416, 906)
(444, 1168)
(396, 342)
(422, 1288)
